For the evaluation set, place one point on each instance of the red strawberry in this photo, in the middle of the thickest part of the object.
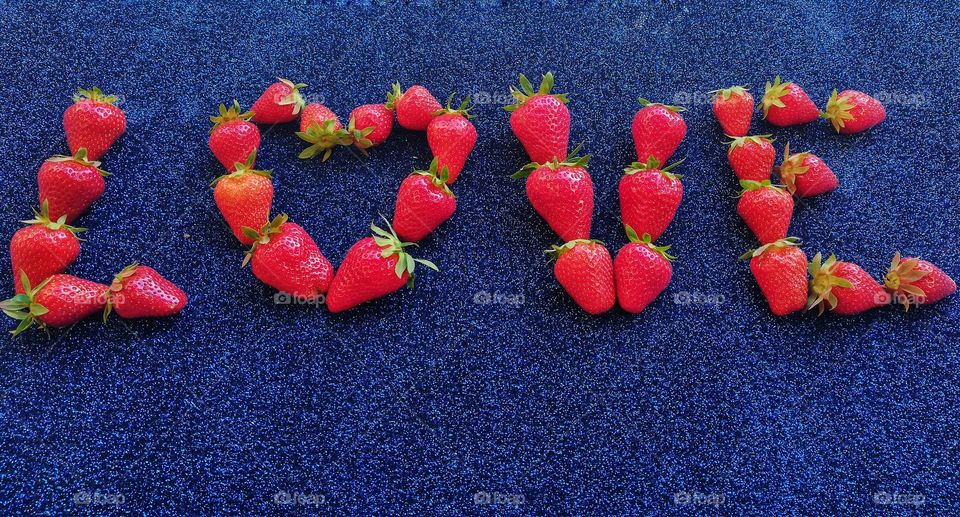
(649, 197)
(657, 130)
(140, 292)
(93, 122)
(585, 271)
(733, 108)
(752, 157)
(780, 269)
(58, 301)
(540, 119)
(281, 102)
(244, 198)
(43, 248)
(805, 174)
(918, 282)
(766, 209)
(70, 184)
(284, 257)
(415, 107)
(642, 271)
(233, 137)
(853, 112)
(786, 104)
(562, 193)
(375, 116)
(374, 267)
(845, 286)
(424, 202)
(451, 137)
(320, 127)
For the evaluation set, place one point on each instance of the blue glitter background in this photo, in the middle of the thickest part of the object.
(417, 403)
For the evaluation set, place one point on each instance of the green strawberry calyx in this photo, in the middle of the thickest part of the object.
(526, 92)
(42, 218)
(229, 115)
(357, 137)
(791, 167)
(437, 178)
(726, 93)
(116, 286)
(823, 283)
(244, 169)
(750, 185)
(293, 98)
(262, 236)
(394, 96)
(571, 160)
(462, 110)
(782, 243)
(23, 307)
(555, 252)
(390, 245)
(94, 95)
(900, 278)
(652, 164)
(838, 111)
(772, 94)
(80, 158)
(676, 109)
(324, 137)
(740, 141)
(647, 241)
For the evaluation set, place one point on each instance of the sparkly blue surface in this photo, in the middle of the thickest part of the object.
(414, 404)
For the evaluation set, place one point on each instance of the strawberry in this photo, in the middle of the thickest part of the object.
(320, 127)
(233, 137)
(280, 102)
(766, 209)
(140, 292)
(585, 271)
(415, 107)
(540, 119)
(284, 257)
(733, 108)
(918, 282)
(752, 157)
(780, 269)
(424, 202)
(375, 116)
(451, 137)
(657, 130)
(786, 104)
(845, 286)
(93, 122)
(649, 197)
(244, 198)
(805, 174)
(374, 267)
(70, 184)
(642, 271)
(853, 112)
(562, 193)
(58, 301)
(43, 248)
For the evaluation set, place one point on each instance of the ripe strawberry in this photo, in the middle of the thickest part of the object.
(780, 269)
(281, 102)
(657, 130)
(562, 193)
(70, 184)
(585, 271)
(733, 108)
(374, 267)
(649, 197)
(424, 202)
(244, 198)
(786, 104)
(766, 209)
(284, 257)
(805, 174)
(415, 107)
(918, 282)
(752, 157)
(540, 119)
(642, 271)
(853, 112)
(93, 122)
(375, 116)
(845, 286)
(451, 137)
(233, 137)
(58, 301)
(140, 292)
(43, 248)
(320, 127)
